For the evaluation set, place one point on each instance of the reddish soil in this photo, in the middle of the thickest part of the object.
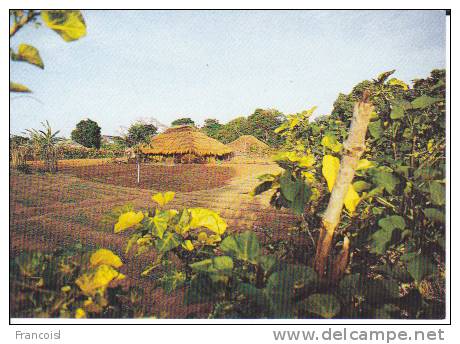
(183, 178)
(53, 211)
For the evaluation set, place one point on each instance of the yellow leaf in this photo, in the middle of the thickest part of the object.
(66, 288)
(202, 236)
(398, 82)
(69, 24)
(88, 302)
(80, 313)
(212, 239)
(330, 141)
(207, 218)
(95, 281)
(188, 245)
(29, 54)
(309, 176)
(330, 169)
(294, 122)
(430, 146)
(163, 199)
(128, 220)
(352, 199)
(364, 164)
(306, 161)
(104, 256)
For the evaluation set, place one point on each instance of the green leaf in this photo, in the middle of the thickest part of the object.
(380, 291)
(215, 265)
(434, 215)
(301, 198)
(254, 294)
(201, 290)
(361, 185)
(161, 221)
(325, 305)
(244, 246)
(375, 128)
(28, 53)
(172, 280)
(382, 237)
(437, 193)
(397, 112)
(168, 242)
(15, 87)
(282, 286)
(69, 24)
(419, 267)
(289, 188)
(351, 285)
(262, 187)
(386, 180)
(424, 101)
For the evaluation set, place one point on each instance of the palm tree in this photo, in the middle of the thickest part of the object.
(44, 142)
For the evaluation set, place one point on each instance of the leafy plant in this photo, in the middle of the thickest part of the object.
(69, 24)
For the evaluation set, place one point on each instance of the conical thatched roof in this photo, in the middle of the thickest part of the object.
(248, 144)
(185, 140)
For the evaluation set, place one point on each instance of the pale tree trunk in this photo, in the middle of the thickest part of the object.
(353, 148)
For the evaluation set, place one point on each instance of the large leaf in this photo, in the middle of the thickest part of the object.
(104, 256)
(380, 291)
(382, 237)
(330, 169)
(168, 242)
(28, 53)
(434, 215)
(288, 187)
(424, 101)
(202, 289)
(375, 128)
(386, 179)
(163, 199)
(282, 286)
(172, 280)
(420, 266)
(207, 218)
(437, 193)
(161, 221)
(97, 280)
(216, 265)
(15, 87)
(325, 305)
(128, 220)
(69, 24)
(396, 112)
(244, 246)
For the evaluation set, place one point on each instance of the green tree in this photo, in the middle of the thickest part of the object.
(232, 130)
(262, 124)
(69, 24)
(183, 121)
(140, 133)
(87, 133)
(211, 128)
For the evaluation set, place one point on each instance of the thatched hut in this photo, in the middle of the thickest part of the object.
(185, 144)
(249, 145)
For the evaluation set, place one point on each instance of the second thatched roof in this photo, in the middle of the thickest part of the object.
(247, 144)
(185, 140)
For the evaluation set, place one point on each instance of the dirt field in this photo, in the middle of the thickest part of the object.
(50, 211)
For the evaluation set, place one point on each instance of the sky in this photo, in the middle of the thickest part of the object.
(215, 64)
